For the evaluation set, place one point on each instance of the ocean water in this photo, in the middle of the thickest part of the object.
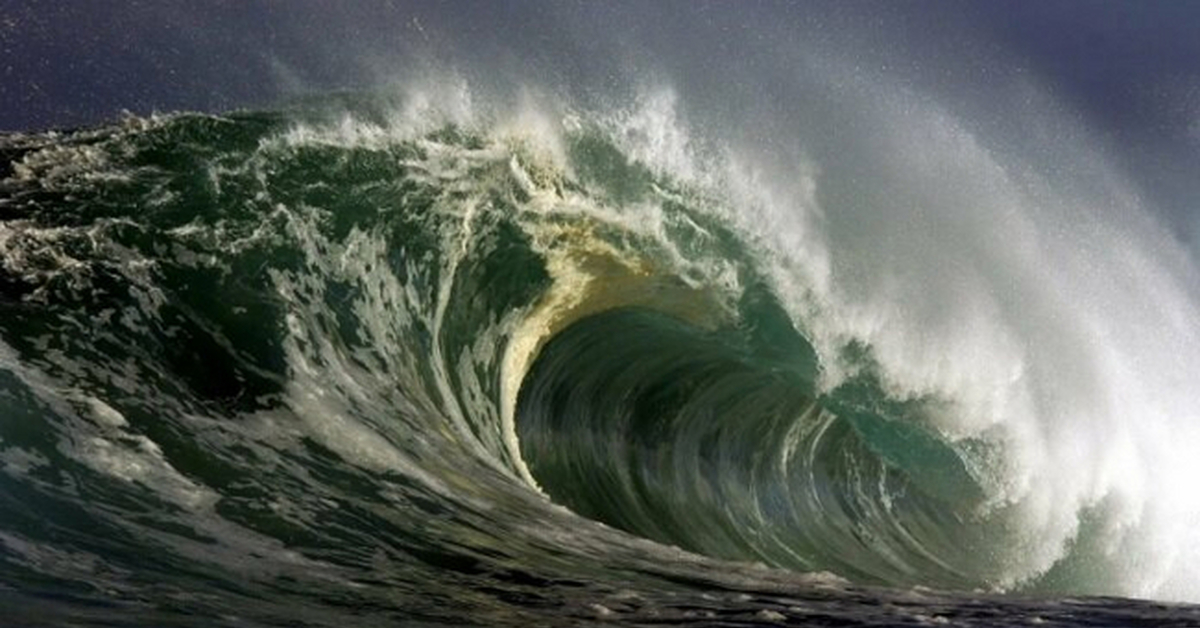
(438, 358)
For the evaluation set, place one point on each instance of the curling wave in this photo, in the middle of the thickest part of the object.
(368, 341)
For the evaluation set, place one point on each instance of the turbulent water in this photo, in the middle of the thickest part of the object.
(406, 361)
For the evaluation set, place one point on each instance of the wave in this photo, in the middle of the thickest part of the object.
(383, 341)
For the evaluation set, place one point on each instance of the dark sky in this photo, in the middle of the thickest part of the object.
(1133, 70)
(1129, 69)
(1133, 63)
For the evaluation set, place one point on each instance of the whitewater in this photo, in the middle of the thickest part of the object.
(463, 351)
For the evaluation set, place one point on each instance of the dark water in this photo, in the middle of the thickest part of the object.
(339, 365)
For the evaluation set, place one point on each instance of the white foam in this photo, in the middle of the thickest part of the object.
(652, 133)
(1047, 311)
(17, 461)
(105, 414)
(135, 458)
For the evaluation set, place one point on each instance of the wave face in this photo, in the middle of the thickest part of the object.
(387, 360)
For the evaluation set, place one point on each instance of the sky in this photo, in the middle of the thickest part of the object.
(1128, 69)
